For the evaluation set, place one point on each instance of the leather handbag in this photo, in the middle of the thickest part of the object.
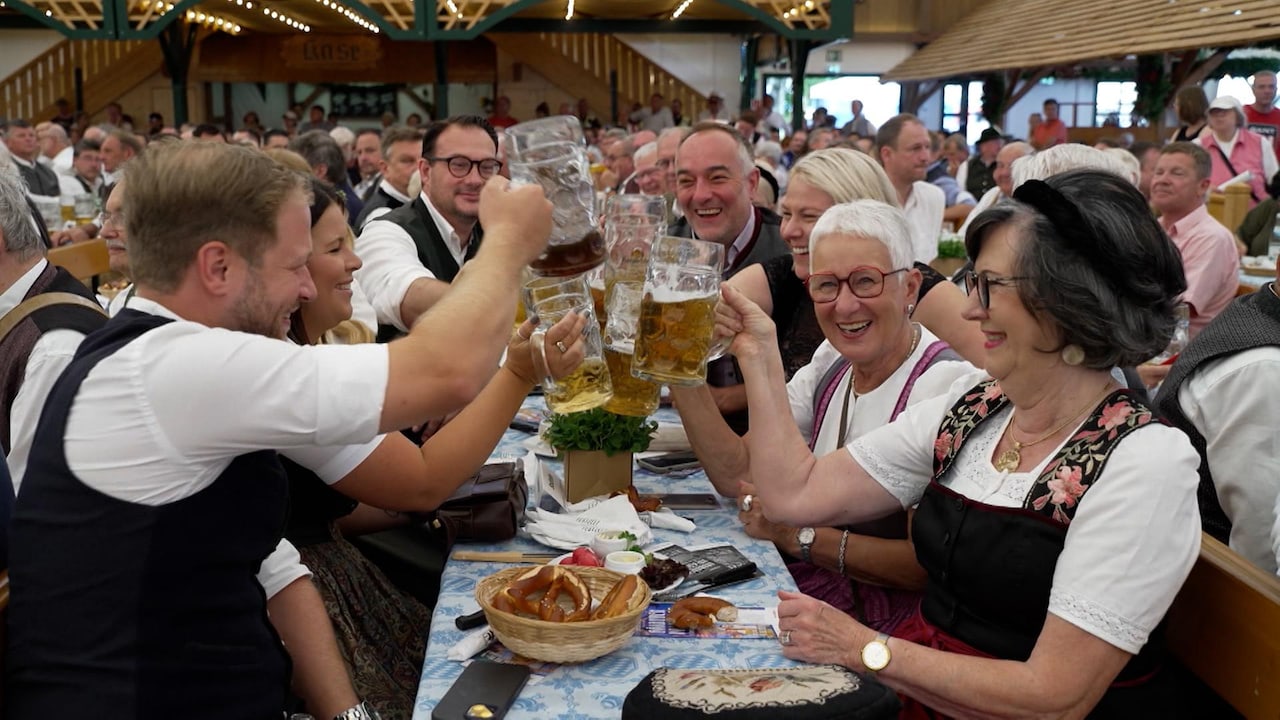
(488, 507)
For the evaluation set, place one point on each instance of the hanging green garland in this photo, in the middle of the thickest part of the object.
(1153, 86)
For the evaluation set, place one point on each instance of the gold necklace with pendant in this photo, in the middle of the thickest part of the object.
(1010, 459)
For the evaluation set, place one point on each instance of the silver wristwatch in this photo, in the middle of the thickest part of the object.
(362, 711)
(805, 536)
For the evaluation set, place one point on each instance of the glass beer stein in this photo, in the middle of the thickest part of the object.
(588, 386)
(677, 311)
(550, 153)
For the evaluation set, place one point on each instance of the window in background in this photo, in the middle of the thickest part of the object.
(962, 110)
(1114, 104)
(880, 101)
(1236, 87)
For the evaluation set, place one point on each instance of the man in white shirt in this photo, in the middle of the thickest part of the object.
(902, 147)
(368, 161)
(656, 117)
(401, 148)
(55, 151)
(35, 350)
(1220, 392)
(86, 171)
(412, 253)
(770, 118)
(715, 109)
(133, 513)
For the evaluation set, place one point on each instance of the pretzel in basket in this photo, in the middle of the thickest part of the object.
(537, 594)
(692, 613)
(618, 600)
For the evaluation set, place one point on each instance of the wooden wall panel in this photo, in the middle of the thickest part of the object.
(276, 58)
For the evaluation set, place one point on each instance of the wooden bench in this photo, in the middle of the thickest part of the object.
(1224, 626)
(1230, 206)
(84, 260)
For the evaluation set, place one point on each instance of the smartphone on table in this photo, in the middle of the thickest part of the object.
(484, 691)
(669, 462)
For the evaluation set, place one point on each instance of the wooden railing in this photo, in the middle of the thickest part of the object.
(638, 77)
(33, 89)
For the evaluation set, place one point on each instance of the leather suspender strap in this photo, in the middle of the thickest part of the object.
(43, 300)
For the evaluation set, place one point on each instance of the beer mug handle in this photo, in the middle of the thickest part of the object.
(539, 342)
(719, 348)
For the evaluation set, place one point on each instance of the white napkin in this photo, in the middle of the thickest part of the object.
(571, 531)
(665, 518)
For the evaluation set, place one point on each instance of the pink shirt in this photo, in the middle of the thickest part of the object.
(1210, 261)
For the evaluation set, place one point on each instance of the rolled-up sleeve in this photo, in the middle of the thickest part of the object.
(282, 566)
(391, 265)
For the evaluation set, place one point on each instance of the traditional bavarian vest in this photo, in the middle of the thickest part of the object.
(1246, 154)
(1250, 322)
(121, 609)
(991, 568)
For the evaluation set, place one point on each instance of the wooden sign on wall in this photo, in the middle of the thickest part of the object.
(346, 52)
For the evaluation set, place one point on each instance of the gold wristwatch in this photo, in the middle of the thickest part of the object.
(875, 654)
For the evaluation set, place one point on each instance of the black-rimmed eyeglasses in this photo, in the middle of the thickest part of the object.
(460, 166)
(864, 282)
(983, 281)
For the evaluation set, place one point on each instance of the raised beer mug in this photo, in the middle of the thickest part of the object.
(588, 386)
(550, 153)
(678, 311)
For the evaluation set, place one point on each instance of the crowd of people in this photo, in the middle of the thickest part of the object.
(983, 477)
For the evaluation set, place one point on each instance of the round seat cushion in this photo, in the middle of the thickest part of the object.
(803, 693)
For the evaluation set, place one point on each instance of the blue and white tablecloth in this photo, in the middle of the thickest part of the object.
(597, 688)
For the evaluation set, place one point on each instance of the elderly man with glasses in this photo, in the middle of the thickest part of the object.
(412, 253)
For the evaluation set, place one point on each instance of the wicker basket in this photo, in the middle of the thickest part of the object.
(562, 642)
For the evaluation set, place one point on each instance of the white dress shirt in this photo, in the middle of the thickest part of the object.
(162, 417)
(1135, 534)
(1231, 401)
(924, 208)
(49, 357)
(391, 262)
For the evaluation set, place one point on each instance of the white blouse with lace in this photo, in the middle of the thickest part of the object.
(1135, 534)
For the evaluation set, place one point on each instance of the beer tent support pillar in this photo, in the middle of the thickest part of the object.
(441, 90)
(799, 59)
(177, 49)
(750, 56)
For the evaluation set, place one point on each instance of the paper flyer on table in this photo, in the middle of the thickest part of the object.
(499, 653)
(752, 624)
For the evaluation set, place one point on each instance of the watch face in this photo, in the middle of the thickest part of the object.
(806, 535)
(875, 655)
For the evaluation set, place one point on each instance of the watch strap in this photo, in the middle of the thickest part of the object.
(806, 548)
(360, 711)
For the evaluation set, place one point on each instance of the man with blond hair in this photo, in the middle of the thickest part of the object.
(129, 593)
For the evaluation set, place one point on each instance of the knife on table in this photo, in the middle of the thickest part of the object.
(732, 576)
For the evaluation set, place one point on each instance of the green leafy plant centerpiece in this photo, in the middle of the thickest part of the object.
(597, 446)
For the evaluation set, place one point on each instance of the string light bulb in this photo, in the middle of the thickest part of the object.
(680, 10)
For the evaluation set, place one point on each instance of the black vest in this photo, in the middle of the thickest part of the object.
(1250, 322)
(126, 610)
(433, 253)
(40, 180)
(16, 347)
(991, 568)
(379, 198)
(980, 179)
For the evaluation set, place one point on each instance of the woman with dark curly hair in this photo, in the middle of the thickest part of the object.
(1056, 516)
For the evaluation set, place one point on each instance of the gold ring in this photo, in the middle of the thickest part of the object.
(785, 637)
(562, 347)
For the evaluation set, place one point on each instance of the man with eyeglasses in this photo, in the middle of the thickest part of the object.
(412, 253)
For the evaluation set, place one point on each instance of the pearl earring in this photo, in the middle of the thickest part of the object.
(1073, 355)
(911, 308)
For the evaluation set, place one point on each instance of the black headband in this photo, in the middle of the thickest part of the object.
(1066, 218)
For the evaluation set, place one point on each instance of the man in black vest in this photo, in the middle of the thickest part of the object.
(1221, 393)
(20, 138)
(716, 178)
(400, 152)
(36, 343)
(412, 253)
(133, 552)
